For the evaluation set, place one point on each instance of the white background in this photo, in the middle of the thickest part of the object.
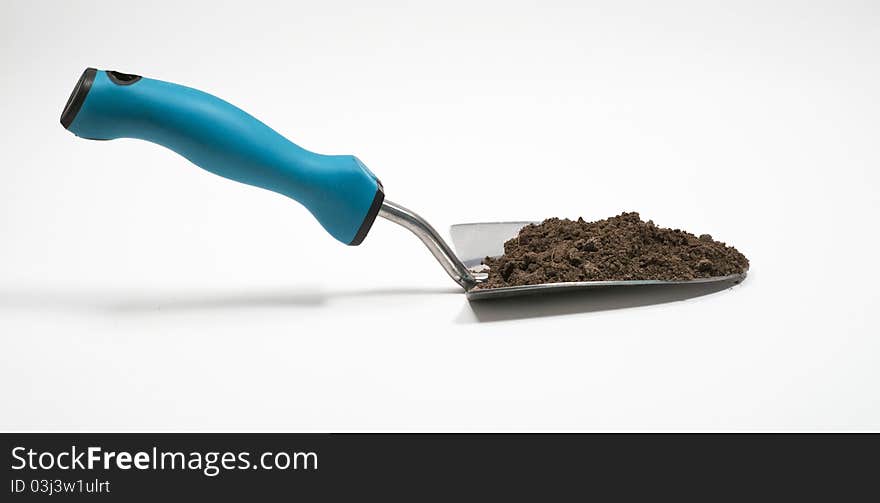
(140, 292)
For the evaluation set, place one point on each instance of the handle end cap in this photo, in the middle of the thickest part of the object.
(78, 97)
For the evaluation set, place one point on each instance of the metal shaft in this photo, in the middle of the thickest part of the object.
(438, 247)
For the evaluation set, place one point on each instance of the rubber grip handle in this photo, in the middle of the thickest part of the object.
(338, 190)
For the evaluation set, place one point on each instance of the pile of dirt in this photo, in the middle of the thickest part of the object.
(618, 248)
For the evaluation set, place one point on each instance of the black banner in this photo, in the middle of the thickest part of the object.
(147, 467)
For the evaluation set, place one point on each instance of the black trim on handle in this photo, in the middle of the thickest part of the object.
(123, 79)
(371, 215)
(77, 97)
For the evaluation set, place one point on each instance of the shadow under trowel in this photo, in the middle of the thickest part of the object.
(585, 301)
(262, 299)
(135, 301)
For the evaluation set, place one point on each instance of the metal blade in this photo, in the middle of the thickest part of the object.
(474, 242)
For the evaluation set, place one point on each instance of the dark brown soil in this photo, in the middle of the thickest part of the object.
(618, 248)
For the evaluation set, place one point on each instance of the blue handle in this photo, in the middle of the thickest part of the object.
(339, 190)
